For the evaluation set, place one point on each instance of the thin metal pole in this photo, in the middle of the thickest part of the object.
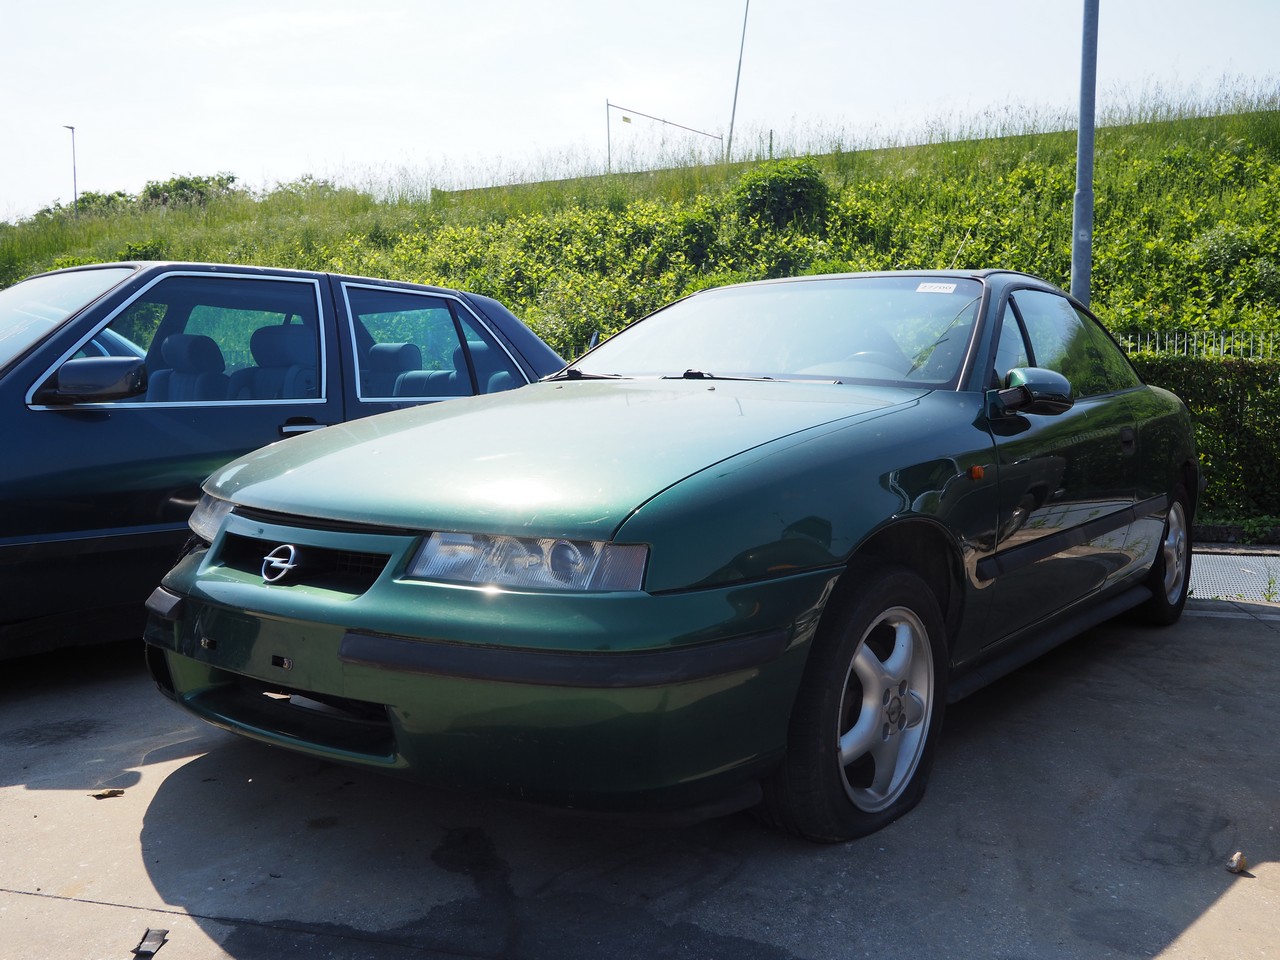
(1082, 219)
(608, 139)
(728, 153)
(75, 189)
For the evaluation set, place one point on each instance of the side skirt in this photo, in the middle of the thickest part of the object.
(1039, 638)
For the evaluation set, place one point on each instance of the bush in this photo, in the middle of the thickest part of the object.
(1235, 403)
(782, 194)
(187, 190)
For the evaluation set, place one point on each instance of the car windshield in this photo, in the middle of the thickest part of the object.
(904, 329)
(32, 308)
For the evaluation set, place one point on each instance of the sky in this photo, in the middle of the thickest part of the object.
(408, 94)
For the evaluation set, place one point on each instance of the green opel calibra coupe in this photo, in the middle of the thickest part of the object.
(742, 553)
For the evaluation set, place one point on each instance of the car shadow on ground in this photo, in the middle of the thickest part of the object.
(1083, 806)
(1078, 808)
(295, 849)
(84, 719)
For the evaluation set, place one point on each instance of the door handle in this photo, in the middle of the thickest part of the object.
(296, 425)
(1128, 439)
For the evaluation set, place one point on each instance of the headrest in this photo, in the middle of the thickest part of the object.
(479, 351)
(192, 353)
(283, 346)
(394, 357)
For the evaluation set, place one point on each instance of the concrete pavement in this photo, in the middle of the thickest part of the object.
(1082, 807)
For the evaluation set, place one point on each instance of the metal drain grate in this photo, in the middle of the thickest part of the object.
(1236, 576)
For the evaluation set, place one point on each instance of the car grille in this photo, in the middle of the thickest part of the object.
(354, 727)
(344, 571)
(319, 523)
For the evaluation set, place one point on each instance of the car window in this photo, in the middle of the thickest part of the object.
(417, 346)
(30, 309)
(1116, 367)
(108, 343)
(911, 329)
(1071, 343)
(492, 366)
(1011, 350)
(221, 339)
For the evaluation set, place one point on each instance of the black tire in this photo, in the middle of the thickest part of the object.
(1170, 576)
(875, 679)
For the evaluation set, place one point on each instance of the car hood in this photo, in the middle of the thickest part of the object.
(570, 458)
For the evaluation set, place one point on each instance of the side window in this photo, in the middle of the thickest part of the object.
(1116, 367)
(1011, 351)
(417, 346)
(223, 339)
(494, 369)
(407, 345)
(1069, 342)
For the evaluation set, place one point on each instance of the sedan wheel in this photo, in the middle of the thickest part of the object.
(881, 732)
(1175, 553)
(866, 721)
(1170, 577)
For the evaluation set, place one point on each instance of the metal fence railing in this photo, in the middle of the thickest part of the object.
(1202, 343)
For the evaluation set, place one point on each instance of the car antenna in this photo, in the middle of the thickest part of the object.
(960, 249)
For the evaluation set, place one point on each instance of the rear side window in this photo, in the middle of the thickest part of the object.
(418, 346)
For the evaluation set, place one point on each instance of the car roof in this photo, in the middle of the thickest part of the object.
(997, 278)
(154, 266)
(986, 273)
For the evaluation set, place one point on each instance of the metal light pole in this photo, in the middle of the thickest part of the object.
(1082, 216)
(75, 189)
(734, 113)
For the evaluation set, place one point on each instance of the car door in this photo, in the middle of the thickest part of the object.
(94, 508)
(1066, 482)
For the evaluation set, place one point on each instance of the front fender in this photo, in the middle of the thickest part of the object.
(810, 500)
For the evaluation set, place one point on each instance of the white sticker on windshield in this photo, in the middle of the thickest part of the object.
(935, 287)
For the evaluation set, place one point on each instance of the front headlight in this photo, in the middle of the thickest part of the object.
(208, 516)
(546, 564)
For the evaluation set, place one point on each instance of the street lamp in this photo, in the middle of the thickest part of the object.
(1082, 205)
(75, 190)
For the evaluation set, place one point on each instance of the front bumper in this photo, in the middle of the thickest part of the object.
(606, 701)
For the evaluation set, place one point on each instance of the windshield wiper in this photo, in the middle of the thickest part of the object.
(573, 373)
(702, 375)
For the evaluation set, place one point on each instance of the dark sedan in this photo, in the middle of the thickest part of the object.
(122, 386)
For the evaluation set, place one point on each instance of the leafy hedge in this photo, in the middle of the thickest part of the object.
(1236, 406)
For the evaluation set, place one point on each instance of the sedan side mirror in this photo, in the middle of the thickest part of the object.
(94, 380)
(1032, 390)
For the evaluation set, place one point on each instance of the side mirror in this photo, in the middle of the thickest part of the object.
(1032, 390)
(94, 380)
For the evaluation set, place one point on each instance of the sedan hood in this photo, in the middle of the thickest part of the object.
(569, 458)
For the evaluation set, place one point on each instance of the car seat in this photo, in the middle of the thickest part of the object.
(385, 365)
(285, 358)
(194, 370)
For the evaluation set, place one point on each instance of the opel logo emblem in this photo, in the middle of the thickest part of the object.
(277, 564)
